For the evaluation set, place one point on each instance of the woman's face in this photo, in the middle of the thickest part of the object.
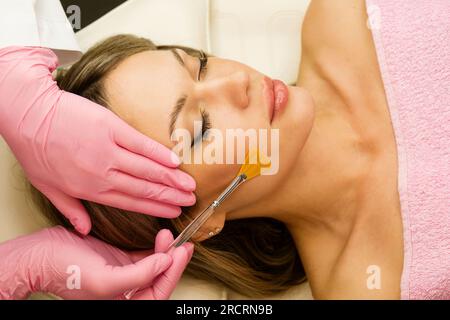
(156, 90)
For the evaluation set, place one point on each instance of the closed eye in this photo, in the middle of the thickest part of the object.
(206, 120)
(206, 125)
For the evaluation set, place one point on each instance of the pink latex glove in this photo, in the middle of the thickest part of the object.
(49, 260)
(71, 148)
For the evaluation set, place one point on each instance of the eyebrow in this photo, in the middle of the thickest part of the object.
(181, 102)
(178, 57)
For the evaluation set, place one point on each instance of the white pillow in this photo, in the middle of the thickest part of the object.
(164, 22)
(264, 34)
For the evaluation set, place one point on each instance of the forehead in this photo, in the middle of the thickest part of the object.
(143, 89)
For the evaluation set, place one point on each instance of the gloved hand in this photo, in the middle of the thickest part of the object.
(71, 148)
(52, 259)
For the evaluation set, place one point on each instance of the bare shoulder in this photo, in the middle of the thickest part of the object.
(336, 37)
(335, 26)
(338, 50)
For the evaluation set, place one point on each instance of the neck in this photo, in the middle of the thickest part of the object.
(324, 190)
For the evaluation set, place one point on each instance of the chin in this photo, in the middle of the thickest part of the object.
(297, 119)
(295, 125)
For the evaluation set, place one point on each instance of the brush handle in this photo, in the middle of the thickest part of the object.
(195, 224)
(229, 190)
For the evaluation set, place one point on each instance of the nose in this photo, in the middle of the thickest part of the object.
(231, 89)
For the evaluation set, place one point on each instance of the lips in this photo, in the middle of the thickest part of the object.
(276, 94)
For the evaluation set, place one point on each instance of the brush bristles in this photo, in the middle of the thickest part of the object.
(253, 164)
(251, 170)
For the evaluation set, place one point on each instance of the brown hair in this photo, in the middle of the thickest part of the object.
(254, 257)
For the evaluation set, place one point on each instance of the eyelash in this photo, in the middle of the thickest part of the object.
(203, 65)
(206, 125)
(206, 121)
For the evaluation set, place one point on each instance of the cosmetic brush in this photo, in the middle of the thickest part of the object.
(249, 170)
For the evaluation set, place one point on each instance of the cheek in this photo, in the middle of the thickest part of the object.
(240, 131)
(231, 117)
(211, 179)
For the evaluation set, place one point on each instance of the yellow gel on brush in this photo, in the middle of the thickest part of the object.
(253, 164)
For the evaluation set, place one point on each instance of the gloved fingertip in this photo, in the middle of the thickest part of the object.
(172, 213)
(82, 228)
(176, 161)
(189, 184)
(164, 235)
(165, 232)
(192, 199)
(189, 247)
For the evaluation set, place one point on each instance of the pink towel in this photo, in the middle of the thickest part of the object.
(412, 40)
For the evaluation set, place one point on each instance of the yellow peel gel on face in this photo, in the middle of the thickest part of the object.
(254, 161)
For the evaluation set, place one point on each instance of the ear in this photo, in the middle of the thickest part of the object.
(213, 224)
